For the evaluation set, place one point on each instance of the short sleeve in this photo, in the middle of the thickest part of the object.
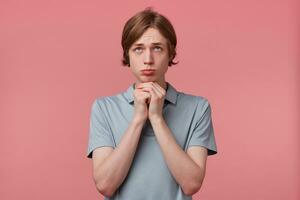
(99, 132)
(203, 131)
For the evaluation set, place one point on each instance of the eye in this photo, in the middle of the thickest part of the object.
(137, 50)
(157, 48)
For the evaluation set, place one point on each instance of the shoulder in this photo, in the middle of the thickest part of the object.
(107, 103)
(196, 100)
(199, 104)
(102, 100)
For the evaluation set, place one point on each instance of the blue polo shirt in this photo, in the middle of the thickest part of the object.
(187, 116)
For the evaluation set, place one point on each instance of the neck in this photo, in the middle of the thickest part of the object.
(163, 84)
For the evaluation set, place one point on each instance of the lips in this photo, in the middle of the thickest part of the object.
(148, 72)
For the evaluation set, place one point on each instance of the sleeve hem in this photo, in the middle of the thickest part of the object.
(210, 150)
(89, 153)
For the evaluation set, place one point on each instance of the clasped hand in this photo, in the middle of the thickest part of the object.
(156, 100)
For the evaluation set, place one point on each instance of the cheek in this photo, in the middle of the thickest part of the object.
(134, 64)
(133, 59)
(164, 60)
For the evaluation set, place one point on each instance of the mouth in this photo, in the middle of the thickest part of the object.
(148, 72)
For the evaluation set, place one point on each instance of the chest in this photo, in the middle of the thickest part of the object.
(178, 120)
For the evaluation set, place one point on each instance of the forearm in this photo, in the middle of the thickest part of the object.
(186, 172)
(113, 171)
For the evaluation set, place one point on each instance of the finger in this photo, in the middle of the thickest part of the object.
(145, 84)
(147, 97)
(145, 93)
(143, 90)
(158, 89)
(152, 91)
(162, 90)
(138, 85)
(156, 86)
(151, 85)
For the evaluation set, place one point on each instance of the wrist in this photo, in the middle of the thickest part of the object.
(156, 119)
(138, 120)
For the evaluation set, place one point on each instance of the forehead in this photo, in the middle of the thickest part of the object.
(151, 35)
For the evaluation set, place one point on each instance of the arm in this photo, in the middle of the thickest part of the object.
(110, 166)
(187, 168)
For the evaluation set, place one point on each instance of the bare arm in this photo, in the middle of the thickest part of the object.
(187, 168)
(110, 166)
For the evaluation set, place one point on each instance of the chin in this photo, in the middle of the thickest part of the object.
(148, 79)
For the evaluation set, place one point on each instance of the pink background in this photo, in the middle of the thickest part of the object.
(56, 57)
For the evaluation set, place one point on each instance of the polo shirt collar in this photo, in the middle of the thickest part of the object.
(171, 94)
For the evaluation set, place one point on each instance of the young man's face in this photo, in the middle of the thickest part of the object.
(149, 52)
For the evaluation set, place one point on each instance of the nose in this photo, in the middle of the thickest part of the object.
(148, 59)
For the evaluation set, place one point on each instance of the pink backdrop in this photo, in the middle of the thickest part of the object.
(57, 56)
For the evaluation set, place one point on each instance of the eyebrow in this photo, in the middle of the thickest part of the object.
(154, 43)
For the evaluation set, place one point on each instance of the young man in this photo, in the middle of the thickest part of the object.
(150, 141)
